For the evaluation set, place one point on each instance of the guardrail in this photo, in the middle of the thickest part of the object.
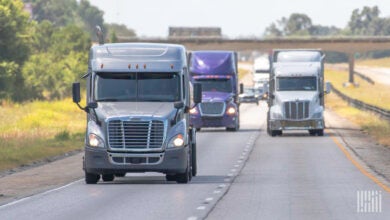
(361, 105)
(366, 78)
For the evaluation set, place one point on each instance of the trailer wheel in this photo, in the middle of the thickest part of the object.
(108, 177)
(91, 178)
(320, 132)
(312, 132)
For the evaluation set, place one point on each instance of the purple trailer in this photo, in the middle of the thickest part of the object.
(217, 72)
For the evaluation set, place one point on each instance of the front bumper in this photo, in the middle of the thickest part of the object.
(226, 120)
(296, 125)
(171, 161)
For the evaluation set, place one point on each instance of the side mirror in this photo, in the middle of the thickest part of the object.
(178, 105)
(241, 88)
(328, 87)
(271, 96)
(76, 92)
(197, 93)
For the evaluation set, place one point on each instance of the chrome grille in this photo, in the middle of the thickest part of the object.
(212, 108)
(133, 135)
(296, 110)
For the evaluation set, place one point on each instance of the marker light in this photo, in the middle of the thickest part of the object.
(129, 66)
(144, 66)
(101, 66)
(231, 111)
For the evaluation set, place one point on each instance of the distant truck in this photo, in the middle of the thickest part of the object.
(138, 101)
(217, 72)
(261, 71)
(296, 92)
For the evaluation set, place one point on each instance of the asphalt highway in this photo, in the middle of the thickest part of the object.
(241, 175)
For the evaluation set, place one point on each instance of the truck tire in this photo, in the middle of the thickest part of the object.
(312, 132)
(108, 177)
(120, 174)
(187, 175)
(170, 177)
(194, 162)
(91, 178)
(320, 132)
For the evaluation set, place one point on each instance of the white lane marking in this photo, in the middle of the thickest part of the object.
(236, 165)
(208, 200)
(42, 193)
(222, 186)
(192, 218)
(233, 170)
(229, 174)
(227, 179)
(201, 208)
(216, 191)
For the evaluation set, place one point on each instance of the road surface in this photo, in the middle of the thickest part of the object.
(241, 175)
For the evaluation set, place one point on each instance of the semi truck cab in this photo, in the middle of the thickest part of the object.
(138, 101)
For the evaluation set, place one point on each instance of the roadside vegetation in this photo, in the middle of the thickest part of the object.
(372, 94)
(381, 62)
(38, 130)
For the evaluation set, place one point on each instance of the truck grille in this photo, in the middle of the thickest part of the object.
(296, 110)
(212, 108)
(134, 135)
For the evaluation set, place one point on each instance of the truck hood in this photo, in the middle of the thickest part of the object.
(147, 109)
(297, 96)
(216, 96)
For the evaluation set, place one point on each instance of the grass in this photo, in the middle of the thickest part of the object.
(366, 92)
(382, 62)
(374, 94)
(37, 130)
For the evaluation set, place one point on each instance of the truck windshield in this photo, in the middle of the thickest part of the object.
(114, 86)
(216, 85)
(297, 83)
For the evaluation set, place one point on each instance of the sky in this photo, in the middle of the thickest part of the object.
(237, 18)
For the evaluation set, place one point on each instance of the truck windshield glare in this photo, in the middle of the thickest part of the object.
(114, 86)
(296, 84)
(216, 85)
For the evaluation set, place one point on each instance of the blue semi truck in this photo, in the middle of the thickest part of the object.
(217, 72)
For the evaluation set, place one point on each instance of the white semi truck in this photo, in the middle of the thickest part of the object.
(296, 92)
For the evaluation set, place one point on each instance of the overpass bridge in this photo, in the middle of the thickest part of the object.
(348, 45)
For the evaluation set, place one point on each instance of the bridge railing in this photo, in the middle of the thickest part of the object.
(383, 113)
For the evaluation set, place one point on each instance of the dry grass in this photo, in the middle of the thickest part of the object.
(383, 62)
(374, 94)
(37, 130)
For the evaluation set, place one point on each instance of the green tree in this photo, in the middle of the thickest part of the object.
(120, 30)
(59, 13)
(14, 49)
(297, 24)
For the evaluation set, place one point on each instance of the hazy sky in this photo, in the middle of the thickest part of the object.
(236, 17)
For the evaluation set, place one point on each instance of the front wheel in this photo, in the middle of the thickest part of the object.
(108, 177)
(187, 175)
(91, 178)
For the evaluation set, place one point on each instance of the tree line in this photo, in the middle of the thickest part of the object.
(363, 22)
(42, 53)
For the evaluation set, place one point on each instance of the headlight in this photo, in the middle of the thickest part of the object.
(95, 141)
(193, 111)
(177, 141)
(317, 115)
(231, 111)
